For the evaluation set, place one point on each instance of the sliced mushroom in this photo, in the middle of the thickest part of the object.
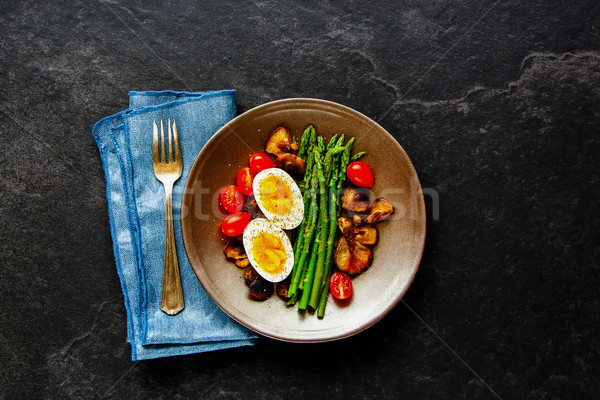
(242, 262)
(379, 210)
(251, 207)
(234, 250)
(356, 199)
(261, 289)
(291, 164)
(352, 257)
(357, 219)
(279, 142)
(294, 148)
(345, 225)
(342, 254)
(282, 288)
(366, 234)
(249, 276)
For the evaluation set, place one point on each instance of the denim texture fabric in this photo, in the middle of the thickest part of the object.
(136, 208)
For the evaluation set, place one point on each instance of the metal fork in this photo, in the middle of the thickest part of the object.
(168, 170)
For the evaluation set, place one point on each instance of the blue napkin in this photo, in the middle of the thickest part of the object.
(136, 212)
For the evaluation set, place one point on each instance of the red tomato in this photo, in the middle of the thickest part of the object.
(234, 224)
(231, 198)
(244, 180)
(260, 161)
(340, 286)
(360, 174)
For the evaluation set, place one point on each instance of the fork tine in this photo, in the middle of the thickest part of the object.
(170, 142)
(155, 159)
(176, 140)
(162, 142)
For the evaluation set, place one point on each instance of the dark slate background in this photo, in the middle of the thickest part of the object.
(496, 102)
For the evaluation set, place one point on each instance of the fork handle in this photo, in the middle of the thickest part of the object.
(171, 301)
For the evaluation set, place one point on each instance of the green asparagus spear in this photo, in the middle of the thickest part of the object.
(357, 156)
(303, 150)
(328, 155)
(332, 142)
(334, 214)
(312, 140)
(345, 162)
(321, 144)
(322, 276)
(300, 236)
(314, 273)
(308, 232)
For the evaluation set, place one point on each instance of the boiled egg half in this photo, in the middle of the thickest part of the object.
(269, 249)
(278, 197)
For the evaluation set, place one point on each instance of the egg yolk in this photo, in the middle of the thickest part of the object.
(269, 253)
(276, 195)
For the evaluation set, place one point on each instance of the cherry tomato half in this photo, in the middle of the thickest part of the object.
(244, 180)
(360, 174)
(234, 224)
(260, 161)
(231, 198)
(340, 286)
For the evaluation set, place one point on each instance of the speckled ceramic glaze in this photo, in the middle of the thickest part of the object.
(396, 256)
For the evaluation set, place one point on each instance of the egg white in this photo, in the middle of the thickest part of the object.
(296, 214)
(257, 227)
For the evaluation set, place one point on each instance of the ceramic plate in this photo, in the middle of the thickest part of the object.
(396, 256)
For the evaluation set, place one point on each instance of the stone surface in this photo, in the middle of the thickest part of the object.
(497, 104)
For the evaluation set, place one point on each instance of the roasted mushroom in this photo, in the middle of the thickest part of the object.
(242, 262)
(294, 148)
(282, 288)
(356, 199)
(345, 226)
(352, 254)
(249, 276)
(291, 164)
(261, 289)
(279, 142)
(234, 250)
(251, 207)
(366, 234)
(352, 257)
(379, 210)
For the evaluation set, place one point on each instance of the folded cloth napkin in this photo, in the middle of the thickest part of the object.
(136, 208)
